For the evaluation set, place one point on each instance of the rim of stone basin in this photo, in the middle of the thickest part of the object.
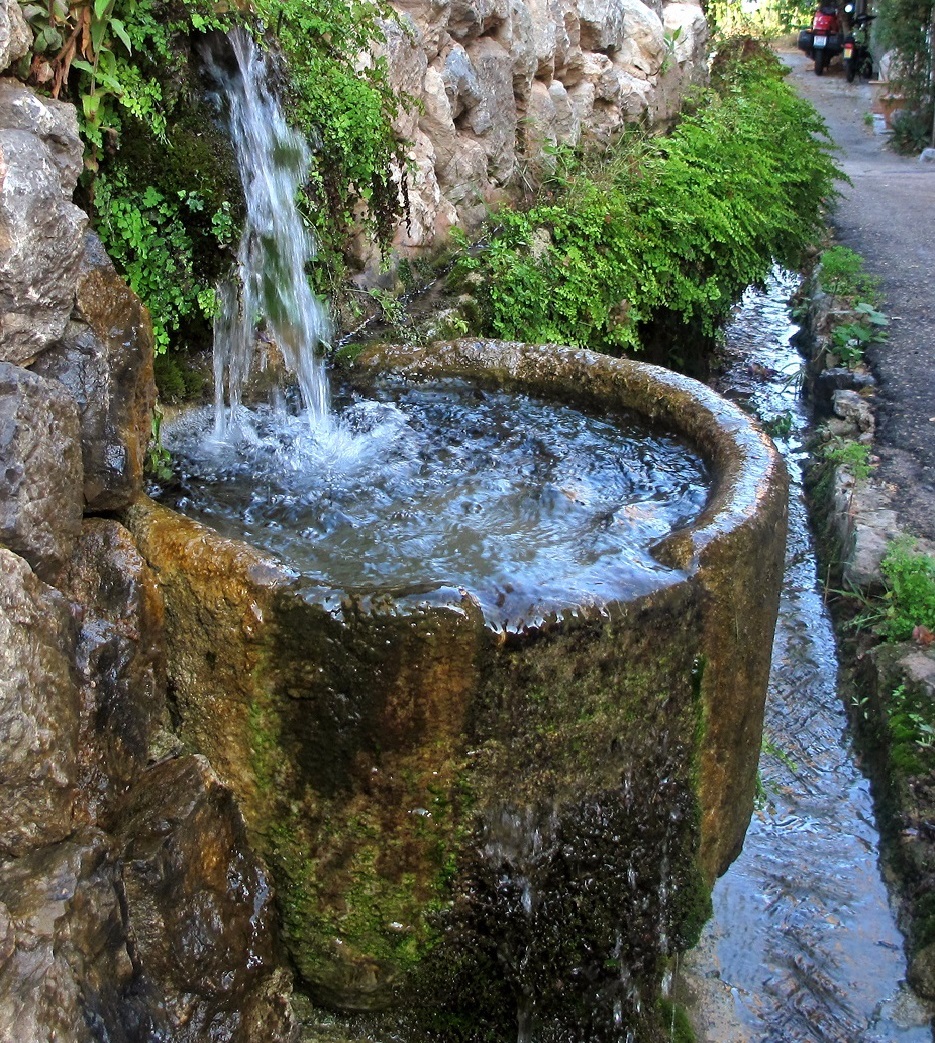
(745, 465)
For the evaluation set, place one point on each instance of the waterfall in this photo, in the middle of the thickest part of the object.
(271, 308)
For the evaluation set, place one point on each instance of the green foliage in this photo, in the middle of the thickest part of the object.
(158, 459)
(911, 731)
(678, 225)
(852, 455)
(125, 63)
(850, 339)
(910, 596)
(763, 21)
(912, 130)
(146, 235)
(841, 274)
(113, 57)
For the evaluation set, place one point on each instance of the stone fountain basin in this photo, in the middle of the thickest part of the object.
(421, 784)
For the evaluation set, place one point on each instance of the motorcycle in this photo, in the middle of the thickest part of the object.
(858, 61)
(824, 40)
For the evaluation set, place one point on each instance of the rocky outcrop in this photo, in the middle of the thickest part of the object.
(131, 905)
(38, 711)
(498, 84)
(199, 910)
(41, 230)
(120, 665)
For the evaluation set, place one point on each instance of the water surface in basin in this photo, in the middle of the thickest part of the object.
(529, 505)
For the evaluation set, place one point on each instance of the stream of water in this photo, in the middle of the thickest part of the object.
(269, 315)
(803, 946)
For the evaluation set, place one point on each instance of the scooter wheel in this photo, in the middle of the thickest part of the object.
(821, 59)
(850, 69)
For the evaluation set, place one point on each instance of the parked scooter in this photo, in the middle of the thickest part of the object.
(858, 61)
(824, 40)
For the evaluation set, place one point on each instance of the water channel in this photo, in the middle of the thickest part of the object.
(803, 945)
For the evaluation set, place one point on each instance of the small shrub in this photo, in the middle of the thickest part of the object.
(910, 580)
(663, 230)
(852, 455)
(841, 274)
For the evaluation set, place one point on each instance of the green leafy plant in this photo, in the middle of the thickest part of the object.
(910, 595)
(841, 274)
(125, 63)
(147, 236)
(906, 27)
(346, 105)
(853, 455)
(105, 54)
(850, 339)
(779, 426)
(158, 460)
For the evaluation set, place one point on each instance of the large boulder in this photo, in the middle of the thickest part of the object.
(65, 971)
(41, 230)
(40, 470)
(105, 359)
(199, 909)
(38, 711)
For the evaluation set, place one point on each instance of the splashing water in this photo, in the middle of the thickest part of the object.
(273, 310)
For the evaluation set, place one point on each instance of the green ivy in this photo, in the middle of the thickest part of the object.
(675, 226)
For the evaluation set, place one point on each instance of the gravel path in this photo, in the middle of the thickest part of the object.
(887, 214)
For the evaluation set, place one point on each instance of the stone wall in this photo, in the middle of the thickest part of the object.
(498, 83)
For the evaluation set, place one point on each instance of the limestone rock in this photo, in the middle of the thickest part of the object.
(504, 79)
(602, 25)
(199, 908)
(849, 405)
(41, 231)
(40, 470)
(121, 661)
(105, 359)
(38, 711)
(865, 525)
(15, 34)
(492, 121)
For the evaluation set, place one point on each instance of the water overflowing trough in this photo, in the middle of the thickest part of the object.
(493, 781)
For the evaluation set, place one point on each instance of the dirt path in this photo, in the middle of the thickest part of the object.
(887, 214)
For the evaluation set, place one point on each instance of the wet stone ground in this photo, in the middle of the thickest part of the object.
(803, 945)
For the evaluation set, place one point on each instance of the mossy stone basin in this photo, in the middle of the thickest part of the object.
(493, 827)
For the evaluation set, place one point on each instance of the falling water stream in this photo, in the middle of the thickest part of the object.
(270, 305)
(803, 946)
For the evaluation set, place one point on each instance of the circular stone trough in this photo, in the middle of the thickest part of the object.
(487, 827)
